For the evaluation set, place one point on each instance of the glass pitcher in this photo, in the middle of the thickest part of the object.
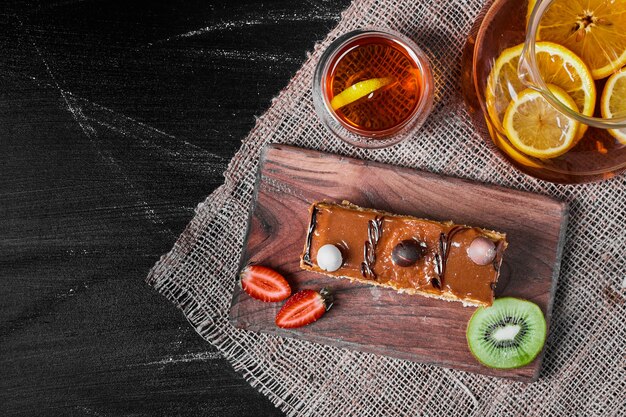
(552, 107)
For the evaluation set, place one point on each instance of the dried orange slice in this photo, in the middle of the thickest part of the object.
(536, 128)
(613, 101)
(592, 29)
(359, 90)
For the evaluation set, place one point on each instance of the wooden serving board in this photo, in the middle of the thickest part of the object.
(379, 320)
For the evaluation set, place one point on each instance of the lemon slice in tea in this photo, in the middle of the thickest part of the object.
(613, 102)
(592, 29)
(536, 128)
(359, 90)
(558, 66)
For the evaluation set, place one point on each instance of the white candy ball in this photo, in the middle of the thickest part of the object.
(482, 251)
(329, 258)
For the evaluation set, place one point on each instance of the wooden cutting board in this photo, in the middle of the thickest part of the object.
(378, 320)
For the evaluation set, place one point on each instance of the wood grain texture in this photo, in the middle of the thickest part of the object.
(116, 119)
(378, 320)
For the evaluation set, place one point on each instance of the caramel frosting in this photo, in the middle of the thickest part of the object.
(367, 238)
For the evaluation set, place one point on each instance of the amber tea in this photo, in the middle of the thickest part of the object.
(373, 86)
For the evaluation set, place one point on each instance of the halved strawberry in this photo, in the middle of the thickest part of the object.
(264, 283)
(304, 308)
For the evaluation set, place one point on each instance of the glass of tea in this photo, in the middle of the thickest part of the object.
(373, 88)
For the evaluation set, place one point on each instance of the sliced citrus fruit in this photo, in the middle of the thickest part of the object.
(536, 128)
(557, 65)
(613, 101)
(359, 90)
(503, 144)
(592, 29)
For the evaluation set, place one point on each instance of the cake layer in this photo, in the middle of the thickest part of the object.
(417, 256)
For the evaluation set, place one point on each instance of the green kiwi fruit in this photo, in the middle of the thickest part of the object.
(509, 334)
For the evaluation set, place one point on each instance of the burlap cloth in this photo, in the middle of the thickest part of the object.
(583, 372)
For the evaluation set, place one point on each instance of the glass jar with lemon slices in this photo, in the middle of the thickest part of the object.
(548, 78)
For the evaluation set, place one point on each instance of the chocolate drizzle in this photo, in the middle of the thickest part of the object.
(374, 232)
(306, 258)
(497, 259)
(441, 258)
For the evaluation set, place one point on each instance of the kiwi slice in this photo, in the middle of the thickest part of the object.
(509, 334)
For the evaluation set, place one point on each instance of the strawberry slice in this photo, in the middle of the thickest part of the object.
(304, 308)
(264, 283)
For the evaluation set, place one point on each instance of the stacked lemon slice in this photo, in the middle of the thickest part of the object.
(544, 134)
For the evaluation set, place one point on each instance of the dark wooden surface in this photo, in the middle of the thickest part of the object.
(116, 119)
(379, 320)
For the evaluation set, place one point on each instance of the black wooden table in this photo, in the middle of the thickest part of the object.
(116, 119)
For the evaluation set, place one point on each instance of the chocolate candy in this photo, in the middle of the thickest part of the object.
(482, 251)
(407, 253)
(329, 258)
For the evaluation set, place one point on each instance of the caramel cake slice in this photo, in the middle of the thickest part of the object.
(416, 256)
